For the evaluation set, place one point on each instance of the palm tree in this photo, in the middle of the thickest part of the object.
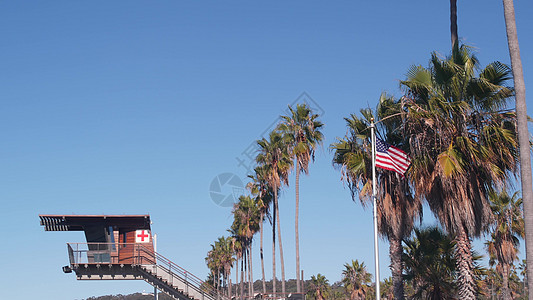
(220, 260)
(238, 250)
(319, 287)
(275, 160)
(387, 289)
(302, 131)
(430, 264)
(397, 210)
(263, 197)
(226, 260)
(246, 224)
(462, 143)
(508, 227)
(523, 272)
(213, 262)
(356, 279)
(523, 134)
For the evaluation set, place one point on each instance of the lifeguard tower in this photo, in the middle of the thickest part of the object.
(121, 247)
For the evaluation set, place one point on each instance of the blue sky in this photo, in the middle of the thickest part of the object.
(133, 107)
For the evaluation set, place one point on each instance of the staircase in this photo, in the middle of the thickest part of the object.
(176, 281)
(94, 261)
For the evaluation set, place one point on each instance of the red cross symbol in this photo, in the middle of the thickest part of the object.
(141, 234)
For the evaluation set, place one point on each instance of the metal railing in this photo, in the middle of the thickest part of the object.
(110, 253)
(189, 279)
(135, 254)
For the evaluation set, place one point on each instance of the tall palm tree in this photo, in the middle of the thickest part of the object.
(263, 196)
(238, 250)
(463, 144)
(302, 131)
(275, 160)
(356, 279)
(523, 134)
(508, 227)
(212, 261)
(397, 210)
(226, 260)
(319, 287)
(246, 224)
(220, 260)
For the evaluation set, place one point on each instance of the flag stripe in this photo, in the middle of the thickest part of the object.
(391, 158)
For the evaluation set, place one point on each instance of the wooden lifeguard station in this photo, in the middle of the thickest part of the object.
(121, 247)
(111, 239)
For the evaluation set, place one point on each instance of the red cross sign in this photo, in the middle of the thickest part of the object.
(142, 236)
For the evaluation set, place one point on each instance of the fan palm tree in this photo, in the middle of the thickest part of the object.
(238, 249)
(508, 227)
(226, 260)
(387, 289)
(463, 144)
(246, 224)
(239, 246)
(302, 132)
(213, 262)
(430, 264)
(220, 260)
(397, 210)
(276, 162)
(356, 279)
(263, 197)
(319, 287)
(523, 134)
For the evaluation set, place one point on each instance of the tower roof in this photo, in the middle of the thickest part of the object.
(79, 222)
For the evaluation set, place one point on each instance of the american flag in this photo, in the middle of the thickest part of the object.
(391, 158)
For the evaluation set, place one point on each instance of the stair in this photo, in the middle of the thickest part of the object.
(143, 264)
(176, 281)
(171, 284)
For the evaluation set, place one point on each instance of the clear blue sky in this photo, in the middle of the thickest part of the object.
(131, 107)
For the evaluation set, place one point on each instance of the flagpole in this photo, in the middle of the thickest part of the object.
(375, 212)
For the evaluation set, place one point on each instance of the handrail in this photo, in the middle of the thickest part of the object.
(110, 253)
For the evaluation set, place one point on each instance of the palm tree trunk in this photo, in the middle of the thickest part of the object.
(274, 245)
(218, 280)
(280, 250)
(523, 135)
(229, 287)
(465, 272)
(224, 285)
(214, 279)
(453, 21)
(242, 274)
(237, 278)
(248, 270)
(251, 273)
(505, 282)
(296, 233)
(261, 254)
(246, 274)
(395, 252)
(226, 282)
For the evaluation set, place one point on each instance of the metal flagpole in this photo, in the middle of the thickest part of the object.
(375, 211)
